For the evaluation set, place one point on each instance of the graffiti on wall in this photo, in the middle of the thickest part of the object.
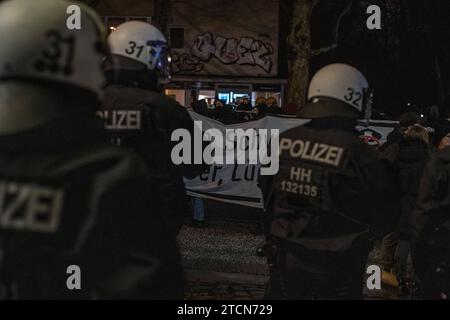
(228, 51)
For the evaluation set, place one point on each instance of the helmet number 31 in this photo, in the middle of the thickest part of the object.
(353, 96)
(58, 57)
(132, 49)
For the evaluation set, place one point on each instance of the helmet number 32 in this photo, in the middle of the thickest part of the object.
(58, 57)
(353, 96)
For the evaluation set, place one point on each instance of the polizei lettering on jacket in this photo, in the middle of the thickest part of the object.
(312, 151)
(30, 207)
(121, 120)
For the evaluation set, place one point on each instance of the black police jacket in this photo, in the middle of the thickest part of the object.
(409, 158)
(80, 218)
(331, 189)
(147, 120)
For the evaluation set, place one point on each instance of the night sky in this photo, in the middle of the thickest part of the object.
(402, 61)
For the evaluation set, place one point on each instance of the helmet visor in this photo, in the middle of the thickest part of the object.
(163, 66)
(160, 53)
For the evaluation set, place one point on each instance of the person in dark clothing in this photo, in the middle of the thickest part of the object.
(150, 118)
(429, 228)
(244, 111)
(224, 113)
(441, 130)
(79, 217)
(201, 107)
(218, 109)
(245, 105)
(331, 196)
(272, 106)
(405, 121)
(409, 157)
(261, 107)
(228, 115)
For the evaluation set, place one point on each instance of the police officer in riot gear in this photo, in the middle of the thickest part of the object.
(331, 196)
(139, 69)
(78, 219)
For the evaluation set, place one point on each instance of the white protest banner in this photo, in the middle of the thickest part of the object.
(238, 183)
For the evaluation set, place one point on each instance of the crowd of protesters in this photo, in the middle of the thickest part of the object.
(238, 111)
(409, 147)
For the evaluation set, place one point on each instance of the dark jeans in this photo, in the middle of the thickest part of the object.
(198, 209)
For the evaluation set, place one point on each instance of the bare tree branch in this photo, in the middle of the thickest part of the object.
(334, 45)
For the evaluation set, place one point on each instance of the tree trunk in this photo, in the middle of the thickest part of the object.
(299, 54)
(161, 14)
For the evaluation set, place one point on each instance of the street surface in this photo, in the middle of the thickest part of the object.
(220, 258)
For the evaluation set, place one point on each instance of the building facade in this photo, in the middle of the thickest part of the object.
(219, 49)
